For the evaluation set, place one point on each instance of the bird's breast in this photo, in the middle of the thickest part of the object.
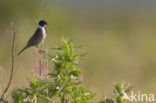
(43, 33)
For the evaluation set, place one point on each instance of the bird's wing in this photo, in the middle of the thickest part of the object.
(34, 39)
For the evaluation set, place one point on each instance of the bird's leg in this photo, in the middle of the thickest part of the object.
(41, 48)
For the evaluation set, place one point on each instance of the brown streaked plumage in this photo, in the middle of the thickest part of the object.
(38, 36)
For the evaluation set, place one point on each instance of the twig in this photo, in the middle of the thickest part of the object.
(40, 51)
(41, 9)
(46, 58)
(46, 71)
(2, 78)
(12, 61)
(36, 19)
(40, 62)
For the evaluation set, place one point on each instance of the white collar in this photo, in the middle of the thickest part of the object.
(40, 27)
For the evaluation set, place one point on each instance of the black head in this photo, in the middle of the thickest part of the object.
(42, 23)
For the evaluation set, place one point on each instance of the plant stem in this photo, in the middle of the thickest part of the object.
(12, 62)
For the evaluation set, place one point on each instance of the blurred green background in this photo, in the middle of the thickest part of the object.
(119, 36)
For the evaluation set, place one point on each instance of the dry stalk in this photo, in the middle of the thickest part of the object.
(13, 32)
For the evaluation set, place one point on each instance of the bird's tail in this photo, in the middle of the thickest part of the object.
(23, 49)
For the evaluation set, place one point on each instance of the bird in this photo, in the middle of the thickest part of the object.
(38, 36)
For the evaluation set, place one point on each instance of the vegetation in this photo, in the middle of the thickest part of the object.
(63, 84)
(120, 42)
(121, 91)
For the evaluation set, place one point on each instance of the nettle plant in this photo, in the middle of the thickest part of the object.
(63, 83)
(120, 94)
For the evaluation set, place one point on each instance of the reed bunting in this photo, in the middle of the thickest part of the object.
(38, 36)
